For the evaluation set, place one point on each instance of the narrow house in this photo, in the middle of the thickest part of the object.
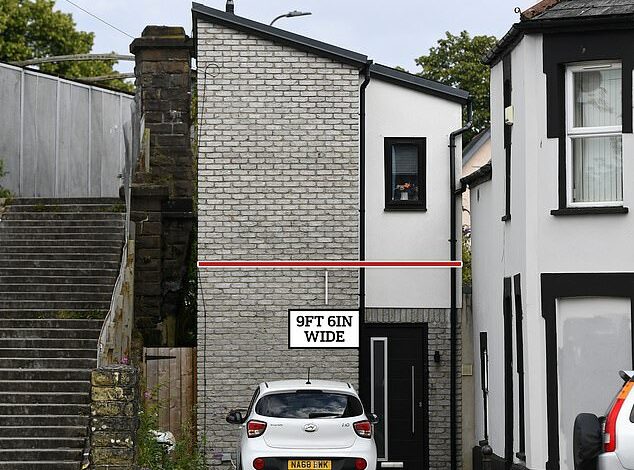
(553, 264)
(312, 152)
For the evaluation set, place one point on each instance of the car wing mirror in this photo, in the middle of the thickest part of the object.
(234, 417)
(374, 419)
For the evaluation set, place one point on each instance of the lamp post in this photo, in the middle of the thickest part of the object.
(292, 14)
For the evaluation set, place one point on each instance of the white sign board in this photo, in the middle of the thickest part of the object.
(308, 329)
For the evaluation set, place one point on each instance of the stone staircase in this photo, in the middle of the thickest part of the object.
(59, 259)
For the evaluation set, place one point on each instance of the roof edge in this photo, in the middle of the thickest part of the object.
(272, 33)
(481, 175)
(476, 143)
(417, 83)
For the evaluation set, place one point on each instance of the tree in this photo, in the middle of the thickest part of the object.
(31, 29)
(457, 61)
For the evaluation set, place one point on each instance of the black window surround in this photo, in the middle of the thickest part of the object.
(508, 132)
(419, 182)
(561, 48)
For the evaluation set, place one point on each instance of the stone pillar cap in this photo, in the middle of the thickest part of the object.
(159, 37)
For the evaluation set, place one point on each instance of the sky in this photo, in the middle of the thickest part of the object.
(391, 32)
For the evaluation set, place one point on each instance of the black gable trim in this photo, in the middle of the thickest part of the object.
(408, 80)
(277, 35)
(483, 174)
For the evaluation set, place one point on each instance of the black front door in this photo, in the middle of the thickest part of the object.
(394, 386)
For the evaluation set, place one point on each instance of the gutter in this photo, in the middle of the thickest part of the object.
(453, 425)
(362, 107)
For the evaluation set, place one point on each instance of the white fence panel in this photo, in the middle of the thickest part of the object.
(60, 138)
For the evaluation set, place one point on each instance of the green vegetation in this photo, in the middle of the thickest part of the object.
(32, 29)
(186, 455)
(69, 315)
(457, 61)
(4, 193)
(466, 261)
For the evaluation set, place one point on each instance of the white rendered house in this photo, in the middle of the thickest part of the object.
(552, 236)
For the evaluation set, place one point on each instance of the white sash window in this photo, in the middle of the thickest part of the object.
(594, 135)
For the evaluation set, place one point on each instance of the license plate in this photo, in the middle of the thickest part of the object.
(309, 465)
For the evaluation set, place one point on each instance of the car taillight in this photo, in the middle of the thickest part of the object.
(255, 428)
(258, 463)
(360, 464)
(610, 422)
(363, 429)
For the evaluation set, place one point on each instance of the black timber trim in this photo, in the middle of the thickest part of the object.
(484, 379)
(508, 133)
(519, 342)
(559, 285)
(588, 23)
(508, 371)
(481, 175)
(606, 210)
(414, 82)
(297, 41)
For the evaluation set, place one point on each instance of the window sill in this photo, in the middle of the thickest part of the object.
(590, 210)
(405, 209)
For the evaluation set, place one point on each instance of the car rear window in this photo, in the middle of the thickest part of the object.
(309, 405)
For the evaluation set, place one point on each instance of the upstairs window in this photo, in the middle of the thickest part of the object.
(594, 135)
(405, 174)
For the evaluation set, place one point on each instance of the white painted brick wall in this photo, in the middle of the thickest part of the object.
(277, 179)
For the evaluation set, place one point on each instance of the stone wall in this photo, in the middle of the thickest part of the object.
(278, 179)
(114, 400)
(438, 335)
(162, 193)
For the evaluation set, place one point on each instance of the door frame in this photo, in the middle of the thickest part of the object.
(381, 330)
(560, 285)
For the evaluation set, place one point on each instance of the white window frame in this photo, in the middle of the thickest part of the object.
(572, 132)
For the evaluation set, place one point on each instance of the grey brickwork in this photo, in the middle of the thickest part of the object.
(438, 334)
(278, 179)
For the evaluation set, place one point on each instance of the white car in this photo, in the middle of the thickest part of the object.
(607, 443)
(307, 425)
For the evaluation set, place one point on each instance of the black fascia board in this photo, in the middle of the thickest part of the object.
(557, 25)
(483, 174)
(276, 35)
(414, 82)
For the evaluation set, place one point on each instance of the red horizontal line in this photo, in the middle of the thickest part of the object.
(329, 264)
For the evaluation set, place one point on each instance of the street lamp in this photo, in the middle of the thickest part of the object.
(291, 14)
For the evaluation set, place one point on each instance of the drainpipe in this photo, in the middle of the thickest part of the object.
(454, 284)
(364, 85)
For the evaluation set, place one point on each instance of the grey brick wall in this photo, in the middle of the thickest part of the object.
(277, 179)
(438, 334)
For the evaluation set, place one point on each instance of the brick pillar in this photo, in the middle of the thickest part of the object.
(162, 193)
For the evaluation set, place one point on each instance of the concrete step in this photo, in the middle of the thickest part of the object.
(39, 455)
(42, 442)
(17, 314)
(56, 288)
(62, 280)
(47, 235)
(58, 228)
(105, 244)
(62, 216)
(44, 386)
(57, 296)
(76, 208)
(65, 264)
(44, 375)
(45, 409)
(48, 353)
(66, 333)
(48, 362)
(107, 223)
(64, 201)
(50, 323)
(8, 271)
(51, 343)
(56, 305)
(59, 248)
(43, 431)
(45, 398)
(40, 465)
(42, 420)
(16, 258)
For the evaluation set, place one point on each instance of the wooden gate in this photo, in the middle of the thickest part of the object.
(170, 377)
